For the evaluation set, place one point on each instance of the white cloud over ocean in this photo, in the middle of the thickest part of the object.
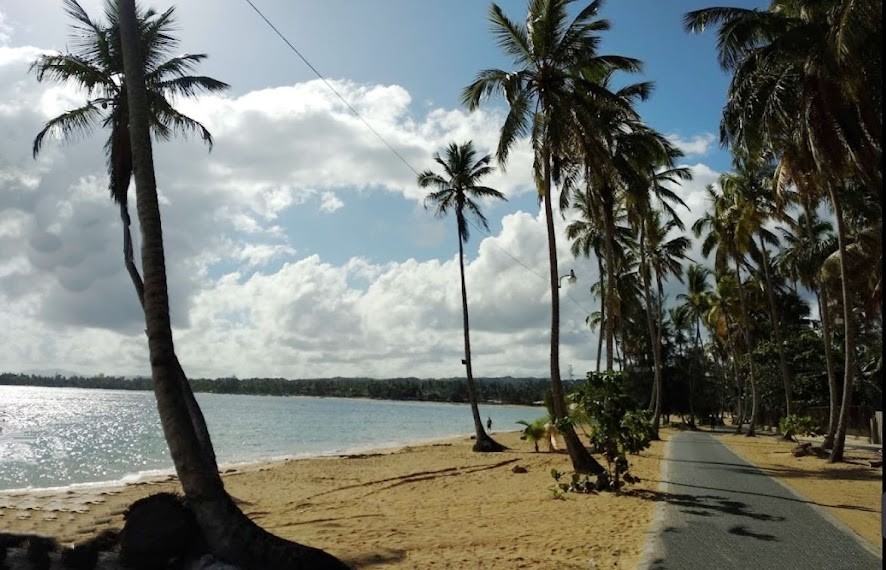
(245, 300)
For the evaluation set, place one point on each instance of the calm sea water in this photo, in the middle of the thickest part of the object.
(55, 437)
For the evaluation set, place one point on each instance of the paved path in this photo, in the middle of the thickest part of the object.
(721, 512)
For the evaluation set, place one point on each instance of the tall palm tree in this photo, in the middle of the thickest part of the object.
(722, 321)
(665, 257)
(696, 302)
(753, 180)
(96, 66)
(550, 100)
(729, 228)
(457, 190)
(805, 250)
(586, 236)
(229, 534)
(808, 74)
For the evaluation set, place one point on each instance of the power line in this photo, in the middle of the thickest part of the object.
(381, 138)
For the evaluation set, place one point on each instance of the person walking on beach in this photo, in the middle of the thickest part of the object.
(488, 423)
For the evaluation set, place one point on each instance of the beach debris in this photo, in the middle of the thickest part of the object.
(802, 450)
(518, 469)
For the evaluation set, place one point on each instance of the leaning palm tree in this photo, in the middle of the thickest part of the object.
(457, 190)
(552, 97)
(229, 534)
(807, 76)
(96, 67)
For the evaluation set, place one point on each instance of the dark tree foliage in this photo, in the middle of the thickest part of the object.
(505, 390)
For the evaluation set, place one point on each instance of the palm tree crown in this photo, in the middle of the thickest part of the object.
(459, 186)
(96, 66)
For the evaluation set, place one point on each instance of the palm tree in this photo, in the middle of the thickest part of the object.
(550, 100)
(721, 321)
(587, 237)
(665, 257)
(729, 229)
(229, 534)
(802, 256)
(696, 304)
(806, 67)
(753, 180)
(96, 66)
(457, 191)
(807, 78)
(534, 431)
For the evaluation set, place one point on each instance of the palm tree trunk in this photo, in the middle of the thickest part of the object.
(824, 314)
(602, 309)
(656, 346)
(187, 392)
(700, 355)
(739, 388)
(611, 271)
(849, 335)
(745, 328)
(773, 313)
(582, 462)
(653, 335)
(483, 443)
(827, 338)
(229, 534)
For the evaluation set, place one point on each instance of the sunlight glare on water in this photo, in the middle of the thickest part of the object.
(55, 437)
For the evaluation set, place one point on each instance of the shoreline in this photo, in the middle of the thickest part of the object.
(168, 474)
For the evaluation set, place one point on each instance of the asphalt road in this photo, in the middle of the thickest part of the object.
(721, 512)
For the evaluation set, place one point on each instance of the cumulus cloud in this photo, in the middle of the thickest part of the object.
(696, 145)
(245, 298)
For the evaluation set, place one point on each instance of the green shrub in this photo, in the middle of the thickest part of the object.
(619, 425)
(793, 425)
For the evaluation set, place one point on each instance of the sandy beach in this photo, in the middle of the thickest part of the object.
(435, 505)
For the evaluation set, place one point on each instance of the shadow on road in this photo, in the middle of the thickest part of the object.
(835, 474)
(651, 496)
(706, 504)
(743, 531)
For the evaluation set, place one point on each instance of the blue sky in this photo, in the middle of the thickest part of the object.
(296, 182)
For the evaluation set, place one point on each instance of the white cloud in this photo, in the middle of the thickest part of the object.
(697, 145)
(245, 300)
(5, 31)
(330, 202)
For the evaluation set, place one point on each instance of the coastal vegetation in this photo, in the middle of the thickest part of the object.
(519, 391)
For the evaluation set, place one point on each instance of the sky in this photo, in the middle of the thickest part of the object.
(299, 246)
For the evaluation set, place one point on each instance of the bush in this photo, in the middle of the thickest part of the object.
(793, 425)
(619, 425)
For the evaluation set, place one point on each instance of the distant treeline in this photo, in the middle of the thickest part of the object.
(504, 390)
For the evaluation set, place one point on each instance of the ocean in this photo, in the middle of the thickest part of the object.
(61, 437)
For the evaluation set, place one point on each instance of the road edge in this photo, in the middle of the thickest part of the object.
(652, 545)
